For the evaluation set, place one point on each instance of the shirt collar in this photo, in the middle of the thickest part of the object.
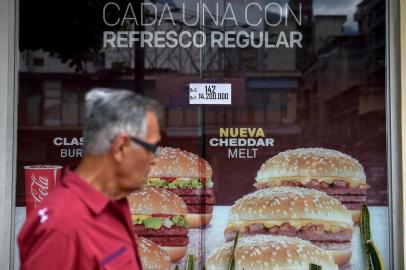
(94, 200)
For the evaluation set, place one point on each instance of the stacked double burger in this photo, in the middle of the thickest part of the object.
(308, 214)
(335, 173)
(159, 216)
(188, 176)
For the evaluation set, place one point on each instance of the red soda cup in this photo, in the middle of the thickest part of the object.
(39, 181)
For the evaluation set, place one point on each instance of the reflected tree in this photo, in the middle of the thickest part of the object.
(73, 31)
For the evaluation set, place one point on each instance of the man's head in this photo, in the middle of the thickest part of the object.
(122, 128)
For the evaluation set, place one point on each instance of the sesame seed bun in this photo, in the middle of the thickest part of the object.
(281, 203)
(304, 164)
(175, 253)
(174, 162)
(152, 256)
(268, 252)
(198, 220)
(355, 215)
(340, 256)
(340, 252)
(152, 200)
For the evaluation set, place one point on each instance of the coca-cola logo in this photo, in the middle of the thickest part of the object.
(39, 188)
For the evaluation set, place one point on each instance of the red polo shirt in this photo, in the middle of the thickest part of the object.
(77, 227)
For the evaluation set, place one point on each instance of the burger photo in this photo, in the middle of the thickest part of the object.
(267, 252)
(188, 176)
(159, 216)
(152, 256)
(296, 212)
(330, 171)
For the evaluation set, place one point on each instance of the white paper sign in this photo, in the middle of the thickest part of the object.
(210, 93)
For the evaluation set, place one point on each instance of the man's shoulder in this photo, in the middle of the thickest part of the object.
(60, 211)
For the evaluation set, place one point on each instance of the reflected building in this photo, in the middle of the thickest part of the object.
(306, 53)
(342, 92)
(371, 18)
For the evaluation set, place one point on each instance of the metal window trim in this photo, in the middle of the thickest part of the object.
(402, 91)
(8, 129)
(402, 75)
(394, 138)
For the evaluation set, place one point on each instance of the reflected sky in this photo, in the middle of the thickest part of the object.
(340, 7)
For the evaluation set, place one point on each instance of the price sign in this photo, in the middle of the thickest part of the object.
(210, 94)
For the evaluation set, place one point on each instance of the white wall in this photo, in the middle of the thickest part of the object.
(8, 107)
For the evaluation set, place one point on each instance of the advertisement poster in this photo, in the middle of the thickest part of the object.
(274, 120)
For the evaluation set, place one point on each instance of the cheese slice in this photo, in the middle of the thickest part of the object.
(277, 181)
(332, 226)
(139, 217)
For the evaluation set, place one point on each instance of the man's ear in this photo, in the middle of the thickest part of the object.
(119, 147)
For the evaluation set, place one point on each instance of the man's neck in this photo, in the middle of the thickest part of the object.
(96, 170)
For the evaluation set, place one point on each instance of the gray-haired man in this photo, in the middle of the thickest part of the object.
(85, 223)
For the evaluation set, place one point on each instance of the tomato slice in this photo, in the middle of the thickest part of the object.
(168, 179)
(203, 180)
(161, 215)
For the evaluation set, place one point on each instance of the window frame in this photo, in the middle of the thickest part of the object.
(8, 128)
(396, 124)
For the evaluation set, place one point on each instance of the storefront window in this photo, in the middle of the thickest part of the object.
(301, 74)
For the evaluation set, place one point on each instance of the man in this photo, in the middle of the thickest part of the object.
(85, 223)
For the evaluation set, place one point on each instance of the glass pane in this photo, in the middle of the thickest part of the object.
(70, 108)
(52, 113)
(328, 93)
(32, 113)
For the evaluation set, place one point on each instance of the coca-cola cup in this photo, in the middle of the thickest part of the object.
(39, 181)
